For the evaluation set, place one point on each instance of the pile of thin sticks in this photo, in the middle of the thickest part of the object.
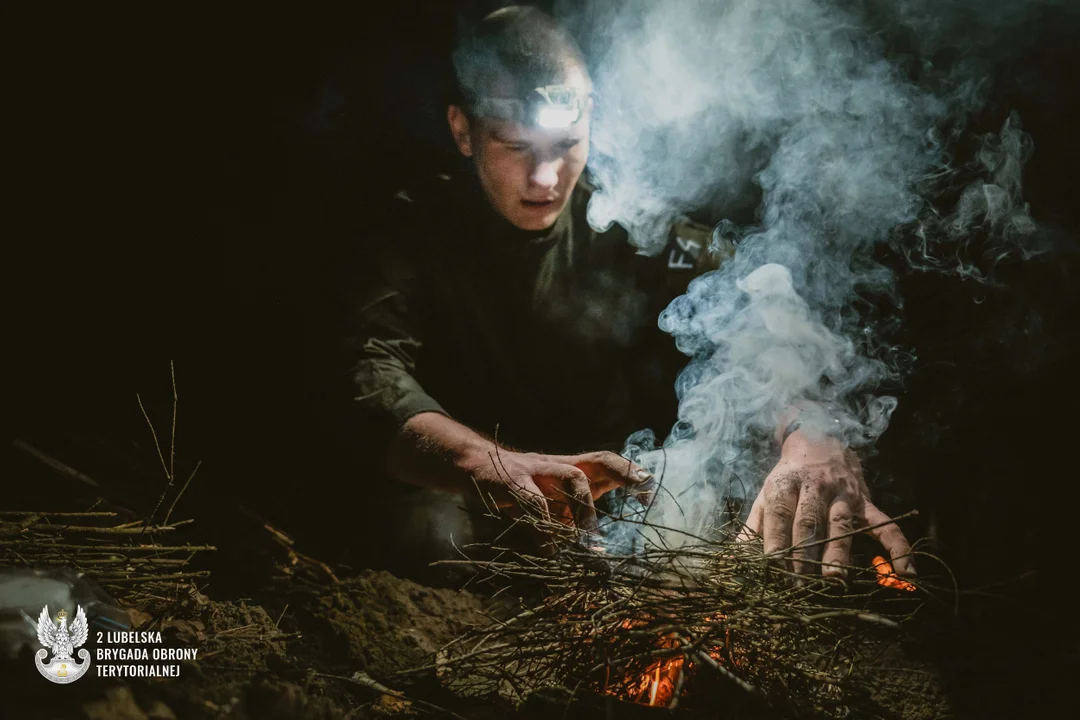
(706, 623)
(128, 559)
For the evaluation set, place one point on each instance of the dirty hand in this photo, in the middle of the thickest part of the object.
(559, 487)
(816, 492)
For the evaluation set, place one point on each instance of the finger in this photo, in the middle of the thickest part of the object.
(528, 501)
(892, 539)
(608, 470)
(754, 521)
(525, 497)
(781, 498)
(838, 552)
(569, 494)
(809, 526)
(577, 488)
(645, 493)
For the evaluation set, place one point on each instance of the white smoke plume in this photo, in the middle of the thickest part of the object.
(807, 111)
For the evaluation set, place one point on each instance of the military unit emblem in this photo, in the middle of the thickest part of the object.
(62, 641)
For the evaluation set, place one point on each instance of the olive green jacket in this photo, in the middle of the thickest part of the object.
(551, 337)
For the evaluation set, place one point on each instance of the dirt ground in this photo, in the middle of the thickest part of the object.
(292, 658)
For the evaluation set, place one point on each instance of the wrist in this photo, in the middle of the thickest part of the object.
(434, 450)
(477, 454)
(812, 428)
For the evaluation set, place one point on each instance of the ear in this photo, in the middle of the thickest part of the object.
(459, 128)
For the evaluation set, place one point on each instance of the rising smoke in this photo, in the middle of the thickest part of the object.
(839, 120)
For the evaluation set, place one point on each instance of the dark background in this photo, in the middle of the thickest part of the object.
(180, 181)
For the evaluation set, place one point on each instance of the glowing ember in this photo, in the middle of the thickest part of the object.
(660, 681)
(887, 578)
(657, 684)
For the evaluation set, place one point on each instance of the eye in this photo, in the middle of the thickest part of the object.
(517, 146)
(569, 144)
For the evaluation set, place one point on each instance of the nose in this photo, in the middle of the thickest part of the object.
(545, 174)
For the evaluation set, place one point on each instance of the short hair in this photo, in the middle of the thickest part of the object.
(519, 44)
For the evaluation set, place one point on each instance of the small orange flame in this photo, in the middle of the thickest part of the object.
(656, 687)
(887, 578)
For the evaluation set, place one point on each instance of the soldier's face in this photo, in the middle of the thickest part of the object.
(527, 173)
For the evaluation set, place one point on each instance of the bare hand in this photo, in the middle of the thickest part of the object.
(817, 492)
(559, 487)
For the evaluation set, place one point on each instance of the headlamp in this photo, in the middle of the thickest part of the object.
(551, 106)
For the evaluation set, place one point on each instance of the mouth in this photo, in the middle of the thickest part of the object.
(540, 205)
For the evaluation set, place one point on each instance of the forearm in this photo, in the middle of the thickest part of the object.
(436, 451)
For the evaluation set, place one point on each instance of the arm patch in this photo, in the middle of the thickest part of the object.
(692, 251)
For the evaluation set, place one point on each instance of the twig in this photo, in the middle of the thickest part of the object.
(364, 680)
(120, 530)
(170, 474)
(100, 513)
(113, 548)
(180, 494)
(153, 432)
(56, 465)
(154, 578)
(232, 630)
(172, 437)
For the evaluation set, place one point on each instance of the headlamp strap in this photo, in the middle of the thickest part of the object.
(526, 111)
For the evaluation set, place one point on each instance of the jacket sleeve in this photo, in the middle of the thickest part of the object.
(382, 339)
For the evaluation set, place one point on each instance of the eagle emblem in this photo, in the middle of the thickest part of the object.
(62, 640)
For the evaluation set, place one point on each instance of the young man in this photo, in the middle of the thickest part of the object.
(495, 305)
